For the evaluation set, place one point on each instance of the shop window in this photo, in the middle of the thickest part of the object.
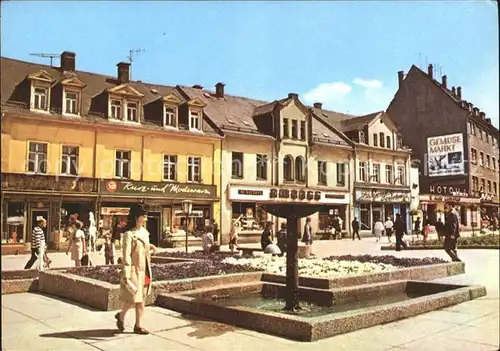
(363, 171)
(364, 217)
(69, 162)
(195, 224)
(300, 174)
(294, 129)
(474, 156)
(122, 164)
(388, 174)
(194, 169)
(302, 130)
(322, 178)
(37, 158)
(261, 167)
(382, 140)
(285, 128)
(375, 139)
(249, 215)
(376, 173)
(341, 174)
(14, 223)
(237, 165)
(288, 168)
(388, 142)
(169, 168)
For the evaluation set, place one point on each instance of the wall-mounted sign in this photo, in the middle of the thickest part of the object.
(115, 211)
(248, 194)
(445, 155)
(11, 181)
(447, 190)
(166, 190)
(286, 195)
(372, 195)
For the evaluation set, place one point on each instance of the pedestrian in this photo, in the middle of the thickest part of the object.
(267, 237)
(37, 245)
(336, 228)
(451, 233)
(426, 231)
(109, 250)
(307, 236)
(216, 231)
(136, 279)
(378, 229)
(92, 232)
(77, 245)
(355, 228)
(208, 239)
(282, 239)
(416, 229)
(399, 231)
(389, 226)
(233, 236)
(439, 229)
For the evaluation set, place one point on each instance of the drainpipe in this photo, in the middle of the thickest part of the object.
(220, 191)
(142, 158)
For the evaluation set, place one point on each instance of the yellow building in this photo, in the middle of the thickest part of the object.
(76, 142)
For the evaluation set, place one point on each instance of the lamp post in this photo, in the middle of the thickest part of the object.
(187, 206)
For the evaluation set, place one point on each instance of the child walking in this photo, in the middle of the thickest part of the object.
(109, 251)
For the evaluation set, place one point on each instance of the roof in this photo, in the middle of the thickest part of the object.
(345, 122)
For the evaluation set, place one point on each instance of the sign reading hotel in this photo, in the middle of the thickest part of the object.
(445, 155)
(167, 190)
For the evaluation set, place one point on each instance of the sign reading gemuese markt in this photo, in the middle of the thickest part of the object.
(156, 189)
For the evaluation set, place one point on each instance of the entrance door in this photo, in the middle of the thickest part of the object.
(40, 213)
(153, 227)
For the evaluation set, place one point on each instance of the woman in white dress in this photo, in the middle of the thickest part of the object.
(77, 245)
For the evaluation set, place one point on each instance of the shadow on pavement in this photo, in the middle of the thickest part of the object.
(206, 328)
(91, 334)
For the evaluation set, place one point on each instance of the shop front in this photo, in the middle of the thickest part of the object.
(25, 198)
(468, 208)
(163, 204)
(372, 205)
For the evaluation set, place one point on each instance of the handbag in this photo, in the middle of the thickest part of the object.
(85, 260)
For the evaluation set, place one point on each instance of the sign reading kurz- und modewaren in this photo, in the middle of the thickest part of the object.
(156, 189)
(445, 155)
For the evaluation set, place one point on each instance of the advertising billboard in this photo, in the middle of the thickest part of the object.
(445, 155)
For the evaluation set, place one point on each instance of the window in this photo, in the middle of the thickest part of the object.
(262, 167)
(388, 141)
(362, 171)
(116, 109)
(474, 156)
(475, 183)
(237, 165)
(483, 185)
(169, 117)
(71, 103)
(362, 137)
(341, 167)
(489, 187)
(302, 130)
(285, 128)
(122, 164)
(69, 162)
(300, 174)
(169, 168)
(495, 188)
(473, 128)
(488, 164)
(294, 129)
(401, 176)
(288, 168)
(481, 158)
(322, 179)
(376, 173)
(469, 127)
(37, 158)
(132, 115)
(388, 174)
(194, 169)
(375, 140)
(194, 120)
(382, 140)
(399, 142)
(493, 163)
(481, 134)
(40, 99)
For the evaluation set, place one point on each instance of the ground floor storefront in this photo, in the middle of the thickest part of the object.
(468, 209)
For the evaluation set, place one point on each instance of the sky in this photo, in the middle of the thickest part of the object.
(343, 54)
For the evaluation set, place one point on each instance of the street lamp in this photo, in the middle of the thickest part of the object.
(187, 206)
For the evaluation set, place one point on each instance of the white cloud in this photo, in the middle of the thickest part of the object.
(328, 93)
(368, 83)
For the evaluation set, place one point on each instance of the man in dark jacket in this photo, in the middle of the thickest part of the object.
(451, 233)
(355, 228)
(417, 226)
(439, 228)
(400, 230)
(337, 228)
(281, 236)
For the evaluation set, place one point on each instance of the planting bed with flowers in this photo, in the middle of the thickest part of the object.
(479, 240)
(389, 260)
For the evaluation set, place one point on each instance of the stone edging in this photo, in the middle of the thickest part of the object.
(28, 281)
(438, 247)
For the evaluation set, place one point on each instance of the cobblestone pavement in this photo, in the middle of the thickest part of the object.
(39, 322)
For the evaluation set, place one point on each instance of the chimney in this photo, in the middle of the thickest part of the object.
(294, 96)
(401, 77)
(429, 70)
(123, 72)
(453, 91)
(318, 105)
(475, 112)
(444, 78)
(68, 61)
(482, 115)
(197, 86)
(488, 120)
(459, 93)
(219, 90)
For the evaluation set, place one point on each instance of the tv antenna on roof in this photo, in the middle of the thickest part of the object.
(132, 53)
(51, 56)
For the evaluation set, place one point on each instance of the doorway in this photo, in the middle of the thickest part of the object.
(153, 227)
(40, 213)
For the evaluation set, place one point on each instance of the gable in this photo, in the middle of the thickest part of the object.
(126, 90)
(293, 110)
(41, 76)
(196, 103)
(73, 82)
(172, 99)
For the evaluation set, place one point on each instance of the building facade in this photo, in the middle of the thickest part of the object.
(457, 144)
(75, 142)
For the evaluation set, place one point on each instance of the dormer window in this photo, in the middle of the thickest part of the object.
(170, 116)
(132, 114)
(40, 96)
(116, 109)
(71, 101)
(194, 120)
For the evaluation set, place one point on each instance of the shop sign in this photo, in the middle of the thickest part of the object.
(115, 211)
(248, 194)
(444, 198)
(382, 196)
(301, 195)
(447, 190)
(290, 195)
(47, 183)
(445, 155)
(167, 190)
(193, 214)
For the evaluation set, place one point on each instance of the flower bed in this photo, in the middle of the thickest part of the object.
(111, 274)
(390, 260)
(198, 255)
